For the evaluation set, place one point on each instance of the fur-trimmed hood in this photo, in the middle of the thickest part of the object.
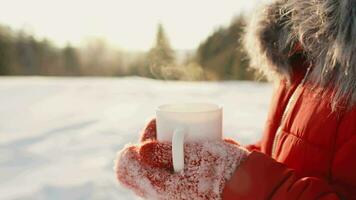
(326, 31)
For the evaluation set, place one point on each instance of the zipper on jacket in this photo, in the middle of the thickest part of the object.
(286, 110)
(279, 130)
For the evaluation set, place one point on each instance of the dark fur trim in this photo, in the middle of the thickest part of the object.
(326, 29)
(267, 41)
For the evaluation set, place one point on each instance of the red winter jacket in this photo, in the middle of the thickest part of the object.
(307, 151)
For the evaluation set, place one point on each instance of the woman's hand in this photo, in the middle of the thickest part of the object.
(147, 168)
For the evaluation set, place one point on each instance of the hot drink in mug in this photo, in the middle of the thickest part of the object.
(189, 122)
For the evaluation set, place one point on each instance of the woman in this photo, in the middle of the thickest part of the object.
(309, 145)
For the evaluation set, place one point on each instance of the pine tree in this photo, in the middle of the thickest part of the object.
(4, 51)
(161, 55)
(71, 60)
(222, 56)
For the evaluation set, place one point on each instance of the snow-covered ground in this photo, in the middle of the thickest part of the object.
(59, 136)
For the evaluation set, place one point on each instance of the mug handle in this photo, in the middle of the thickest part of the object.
(178, 149)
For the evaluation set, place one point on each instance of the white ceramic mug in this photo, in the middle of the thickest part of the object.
(189, 122)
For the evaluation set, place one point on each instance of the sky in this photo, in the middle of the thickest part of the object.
(125, 24)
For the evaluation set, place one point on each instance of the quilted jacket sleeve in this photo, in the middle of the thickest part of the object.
(261, 177)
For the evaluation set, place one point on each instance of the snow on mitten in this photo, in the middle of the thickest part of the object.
(147, 168)
(149, 132)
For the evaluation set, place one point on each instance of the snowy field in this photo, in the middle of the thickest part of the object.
(59, 136)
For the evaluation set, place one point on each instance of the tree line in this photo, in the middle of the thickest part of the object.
(219, 57)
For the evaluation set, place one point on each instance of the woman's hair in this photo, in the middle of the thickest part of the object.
(326, 31)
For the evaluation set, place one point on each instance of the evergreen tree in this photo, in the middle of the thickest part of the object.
(4, 51)
(222, 55)
(70, 60)
(161, 55)
(48, 58)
